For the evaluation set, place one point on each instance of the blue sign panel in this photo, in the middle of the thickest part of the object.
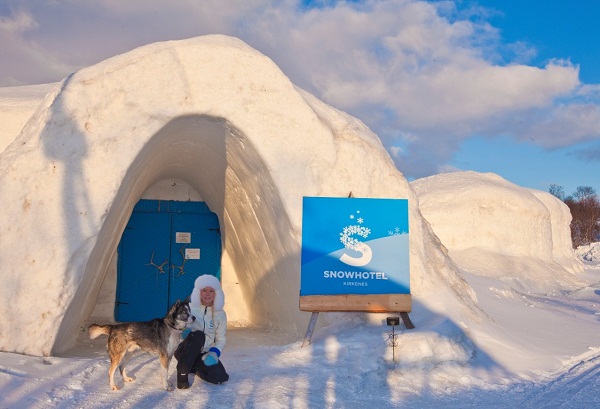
(354, 246)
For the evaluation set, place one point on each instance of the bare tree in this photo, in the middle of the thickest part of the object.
(584, 193)
(558, 191)
(585, 210)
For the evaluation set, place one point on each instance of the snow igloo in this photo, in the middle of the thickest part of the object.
(207, 119)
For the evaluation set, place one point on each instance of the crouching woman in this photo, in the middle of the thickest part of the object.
(199, 353)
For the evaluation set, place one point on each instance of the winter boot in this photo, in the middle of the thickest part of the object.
(182, 381)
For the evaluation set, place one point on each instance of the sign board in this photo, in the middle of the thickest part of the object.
(192, 254)
(355, 255)
(183, 237)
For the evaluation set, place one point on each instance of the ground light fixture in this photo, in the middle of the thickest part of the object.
(392, 338)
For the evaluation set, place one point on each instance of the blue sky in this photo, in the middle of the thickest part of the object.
(504, 86)
(556, 30)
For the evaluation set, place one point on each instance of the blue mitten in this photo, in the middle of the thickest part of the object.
(212, 357)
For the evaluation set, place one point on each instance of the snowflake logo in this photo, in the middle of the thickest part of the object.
(348, 231)
(354, 243)
(351, 242)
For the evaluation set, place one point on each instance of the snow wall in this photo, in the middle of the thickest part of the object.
(218, 115)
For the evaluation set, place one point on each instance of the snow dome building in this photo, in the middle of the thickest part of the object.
(203, 126)
(206, 120)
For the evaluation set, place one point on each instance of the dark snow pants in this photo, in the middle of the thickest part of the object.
(189, 359)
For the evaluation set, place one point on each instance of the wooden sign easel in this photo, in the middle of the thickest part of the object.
(375, 303)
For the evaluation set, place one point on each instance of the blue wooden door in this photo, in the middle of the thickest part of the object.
(164, 248)
(143, 269)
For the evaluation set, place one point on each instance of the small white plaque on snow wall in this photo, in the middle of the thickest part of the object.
(192, 254)
(183, 237)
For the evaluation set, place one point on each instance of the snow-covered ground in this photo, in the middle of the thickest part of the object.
(350, 363)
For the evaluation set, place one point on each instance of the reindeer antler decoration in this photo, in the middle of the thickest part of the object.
(182, 266)
(159, 268)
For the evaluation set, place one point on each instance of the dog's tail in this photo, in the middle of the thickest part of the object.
(96, 330)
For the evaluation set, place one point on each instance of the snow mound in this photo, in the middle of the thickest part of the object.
(524, 233)
(589, 253)
(17, 104)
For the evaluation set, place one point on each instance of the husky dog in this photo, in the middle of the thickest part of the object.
(159, 336)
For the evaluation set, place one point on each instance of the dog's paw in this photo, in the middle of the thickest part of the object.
(128, 379)
(169, 387)
(114, 387)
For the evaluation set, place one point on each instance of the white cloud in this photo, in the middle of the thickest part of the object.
(19, 22)
(23, 60)
(566, 125)
(589, 91)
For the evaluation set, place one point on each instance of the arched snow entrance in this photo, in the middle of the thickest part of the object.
(218, 161)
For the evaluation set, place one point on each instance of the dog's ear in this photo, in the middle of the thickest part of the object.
(188, 299)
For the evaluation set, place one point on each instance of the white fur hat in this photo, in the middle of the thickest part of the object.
(207, 280)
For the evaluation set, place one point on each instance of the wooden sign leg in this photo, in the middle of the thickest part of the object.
(310, 329)
(406, 320)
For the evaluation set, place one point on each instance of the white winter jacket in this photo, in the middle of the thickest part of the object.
(214, 325)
